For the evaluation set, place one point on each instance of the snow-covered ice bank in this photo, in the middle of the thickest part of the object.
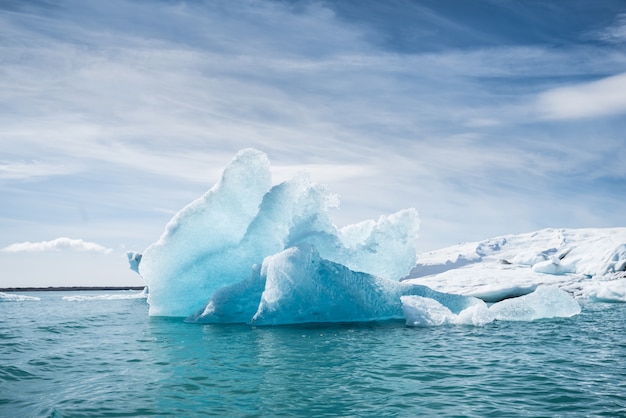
(587, 263)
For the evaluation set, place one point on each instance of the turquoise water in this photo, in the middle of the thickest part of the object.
(94, 358)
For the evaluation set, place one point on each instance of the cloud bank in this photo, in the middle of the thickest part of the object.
(58, 244)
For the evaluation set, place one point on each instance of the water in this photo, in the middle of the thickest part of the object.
(91, 358)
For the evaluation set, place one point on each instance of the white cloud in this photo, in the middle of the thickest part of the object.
(59, 244)
(599, 98)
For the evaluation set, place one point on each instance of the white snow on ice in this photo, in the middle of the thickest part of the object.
(587, 263)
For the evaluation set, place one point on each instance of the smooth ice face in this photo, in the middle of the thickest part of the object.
(210, 246)
(302, 287)
(544, 302)
(178, 268)
(298, 286)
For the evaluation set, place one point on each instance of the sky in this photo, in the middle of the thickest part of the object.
(490, 117)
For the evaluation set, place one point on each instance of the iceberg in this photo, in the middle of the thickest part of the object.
(227, 246)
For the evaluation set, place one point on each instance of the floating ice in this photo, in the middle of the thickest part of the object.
(116, 296)
(134, 259)
(544, 302)
(209, 248)
(422, 311)
(610, 291)
(8, 297)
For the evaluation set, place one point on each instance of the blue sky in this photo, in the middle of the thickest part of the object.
(489, 117)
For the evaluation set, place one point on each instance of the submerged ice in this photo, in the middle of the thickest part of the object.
(250, 252)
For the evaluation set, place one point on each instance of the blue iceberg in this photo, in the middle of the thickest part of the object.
(226, 256)
(298, 286)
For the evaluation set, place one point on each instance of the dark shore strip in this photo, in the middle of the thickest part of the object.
(68, 288)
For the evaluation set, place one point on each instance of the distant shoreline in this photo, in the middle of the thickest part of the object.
(68, 288)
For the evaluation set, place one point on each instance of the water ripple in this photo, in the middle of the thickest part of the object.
(113, 360)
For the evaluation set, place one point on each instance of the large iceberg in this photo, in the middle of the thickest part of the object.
(250, 252)
(214, 243)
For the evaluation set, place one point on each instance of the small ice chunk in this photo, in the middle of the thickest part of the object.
(610, 291)
(422, 311)
(544, 302)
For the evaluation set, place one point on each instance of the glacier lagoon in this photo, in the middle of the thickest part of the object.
(361, 325)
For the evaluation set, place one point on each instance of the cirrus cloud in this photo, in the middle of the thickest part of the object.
(603, 97)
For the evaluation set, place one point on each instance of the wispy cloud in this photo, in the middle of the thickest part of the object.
(16, 170)
(604, 97)
(58, 244)
(615, 33)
